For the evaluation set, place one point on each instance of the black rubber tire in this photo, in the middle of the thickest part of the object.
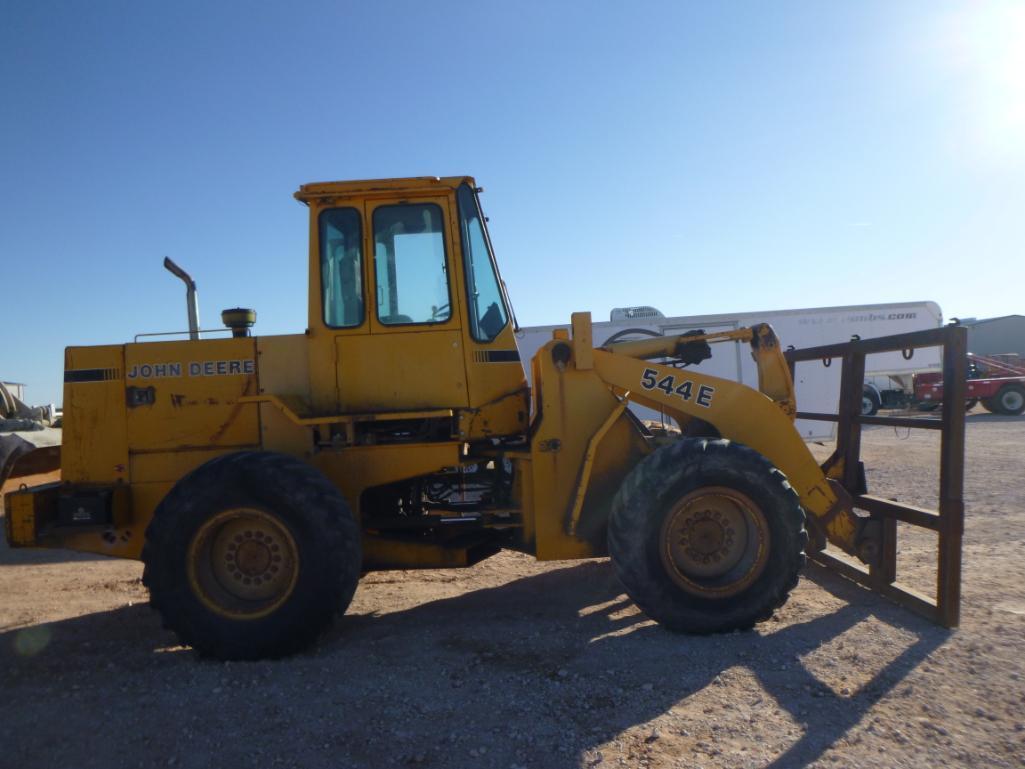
(869, 403)
(298, 497)
(1010, 400)
(989, 405)
(647, 496)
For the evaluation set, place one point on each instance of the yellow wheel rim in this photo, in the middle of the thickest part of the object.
(243, 563)
(714, 542)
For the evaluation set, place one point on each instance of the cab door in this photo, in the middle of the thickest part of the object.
(413, 357)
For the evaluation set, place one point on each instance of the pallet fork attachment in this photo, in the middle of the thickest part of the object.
(844, 467)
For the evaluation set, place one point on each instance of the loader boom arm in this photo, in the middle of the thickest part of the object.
(761, 419)
(774, 378)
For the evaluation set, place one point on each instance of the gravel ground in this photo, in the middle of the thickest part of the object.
(518, 664)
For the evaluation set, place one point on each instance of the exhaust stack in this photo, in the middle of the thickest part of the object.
(190, 295)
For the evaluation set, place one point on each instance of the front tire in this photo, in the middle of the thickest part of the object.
(251, 555)
(707, 536)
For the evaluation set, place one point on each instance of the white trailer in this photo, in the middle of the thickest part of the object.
(817, 384)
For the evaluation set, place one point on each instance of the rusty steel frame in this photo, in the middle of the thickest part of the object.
(948, 521)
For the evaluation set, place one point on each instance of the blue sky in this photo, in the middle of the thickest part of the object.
(699, 157)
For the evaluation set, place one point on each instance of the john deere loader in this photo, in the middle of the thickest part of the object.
(258, 477)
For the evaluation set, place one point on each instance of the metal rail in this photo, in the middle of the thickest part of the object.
(182, 333)
(948, 521)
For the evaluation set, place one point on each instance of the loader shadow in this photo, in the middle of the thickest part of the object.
(540, 672)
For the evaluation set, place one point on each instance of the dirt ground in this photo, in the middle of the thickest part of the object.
(518, 664)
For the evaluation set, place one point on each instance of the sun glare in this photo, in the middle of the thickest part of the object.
(984, 44)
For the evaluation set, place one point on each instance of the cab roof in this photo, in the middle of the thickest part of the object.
(313, 190)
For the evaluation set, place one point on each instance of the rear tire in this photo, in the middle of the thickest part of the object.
(1010, 400)
(869, 403)
(251, 555)
(707, 536)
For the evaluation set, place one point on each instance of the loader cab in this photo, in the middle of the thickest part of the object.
(407, 311)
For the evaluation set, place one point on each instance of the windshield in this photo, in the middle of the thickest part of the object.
(487, 311)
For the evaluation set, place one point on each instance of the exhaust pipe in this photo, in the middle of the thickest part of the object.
(190, 295)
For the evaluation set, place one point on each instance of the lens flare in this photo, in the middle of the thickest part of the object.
(30, 641)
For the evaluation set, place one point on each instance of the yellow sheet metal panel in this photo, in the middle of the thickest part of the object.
(25, 509)
(283, 367)
(574, 406)
(498, 394)
(508, 415)
(95, 445)
(170, 466)
(373, 187)
(523, 498)
(399, 371)
(19, 511)
(322, 354)
(583, 357)
(279, 433)
(191, 391)
(404, 554)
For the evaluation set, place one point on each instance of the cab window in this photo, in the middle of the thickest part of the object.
(487, 312)
(341, 267)
(409, 265)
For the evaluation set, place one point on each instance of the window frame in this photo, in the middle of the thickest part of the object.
(362, 267)
(445, 254)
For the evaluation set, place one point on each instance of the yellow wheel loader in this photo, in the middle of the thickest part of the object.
(257, 477)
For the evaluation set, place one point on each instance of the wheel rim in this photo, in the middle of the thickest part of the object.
(1012, 400)
(715, 542)
(243, 563)
(866, 405)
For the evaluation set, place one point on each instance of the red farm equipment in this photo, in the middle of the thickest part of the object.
(998, 382)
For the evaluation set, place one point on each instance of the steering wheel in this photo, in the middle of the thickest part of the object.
(440, 311)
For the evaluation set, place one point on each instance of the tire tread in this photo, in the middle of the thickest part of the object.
(294, 483)
(636, 503)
